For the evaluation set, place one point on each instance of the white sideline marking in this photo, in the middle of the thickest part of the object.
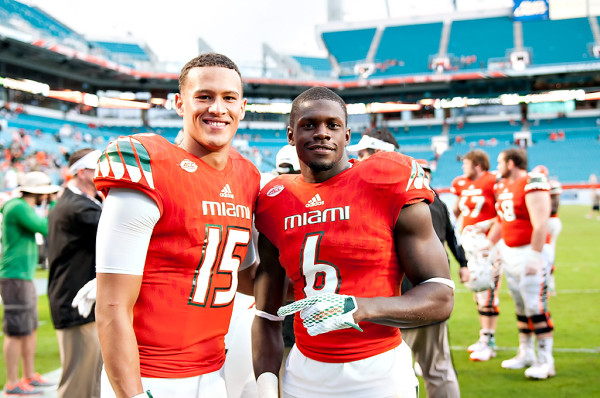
(558, 292)
(567, 350)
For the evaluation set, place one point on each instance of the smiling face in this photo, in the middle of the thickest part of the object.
(212, 106)
(320, 136)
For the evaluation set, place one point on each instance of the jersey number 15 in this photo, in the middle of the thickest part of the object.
(218, 258)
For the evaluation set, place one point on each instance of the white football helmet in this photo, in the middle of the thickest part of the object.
(482, 271)
(474, 241)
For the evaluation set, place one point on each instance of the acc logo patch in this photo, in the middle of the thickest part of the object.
(188, 165)
(276, 190)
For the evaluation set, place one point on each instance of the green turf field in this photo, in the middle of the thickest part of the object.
(573, 309)
(577, 339)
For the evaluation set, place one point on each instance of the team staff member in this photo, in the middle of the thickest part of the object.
(19, 259)
(175, 227)
(72, 227)
(523, 206)
(345, 234)
(476, 207)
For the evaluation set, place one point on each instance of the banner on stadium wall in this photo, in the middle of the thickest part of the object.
(529, 10)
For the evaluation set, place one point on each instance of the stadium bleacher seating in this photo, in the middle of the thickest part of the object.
(468, 52)
(558, 41)
(337, 44)
(409, 46)
(37, 19)
(317, 66)
(130, 50)
(579, 138)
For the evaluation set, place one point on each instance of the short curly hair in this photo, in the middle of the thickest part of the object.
(206, 60)
(316, 94)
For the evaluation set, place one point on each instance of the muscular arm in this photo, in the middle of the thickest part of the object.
(269, 292)
(116, 296)
(422, 257)
(538, 206)
(124, 231)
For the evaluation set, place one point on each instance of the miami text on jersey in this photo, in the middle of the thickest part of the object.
(317, 216)
(225, 209)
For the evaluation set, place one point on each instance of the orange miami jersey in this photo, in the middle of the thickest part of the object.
(338, 237)
(190, 276)
(512, 210)
(476, 198)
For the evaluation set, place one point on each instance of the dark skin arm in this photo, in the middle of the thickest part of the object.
(422, 257)
(270, 288)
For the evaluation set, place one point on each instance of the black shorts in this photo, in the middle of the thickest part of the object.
(596, 207)
(19, 300)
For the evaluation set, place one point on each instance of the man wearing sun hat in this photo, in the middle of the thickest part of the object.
(20, 223)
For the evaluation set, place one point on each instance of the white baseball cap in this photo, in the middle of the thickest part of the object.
(368, 142)
(287, 156)
(38, 182)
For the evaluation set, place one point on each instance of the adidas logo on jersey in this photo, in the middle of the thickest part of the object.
(226, 192)
(315, 201)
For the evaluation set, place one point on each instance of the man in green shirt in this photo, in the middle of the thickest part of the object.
(20, 223)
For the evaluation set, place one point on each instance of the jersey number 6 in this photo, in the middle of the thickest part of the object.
(319, 277)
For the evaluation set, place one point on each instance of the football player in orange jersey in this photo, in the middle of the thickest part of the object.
(175, 227)
(345, 234)
(523, 204)
(476, 208)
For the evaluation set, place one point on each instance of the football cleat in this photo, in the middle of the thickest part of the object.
(478, 345)
(541, 371)
(522, 360)
(484, 354)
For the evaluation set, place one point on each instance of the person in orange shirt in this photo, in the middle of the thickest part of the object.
(476, 208)
(174, 229)
(345, 233)
(523, 205)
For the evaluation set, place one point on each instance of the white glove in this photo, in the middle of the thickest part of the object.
(85, 298)
(324, 313)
